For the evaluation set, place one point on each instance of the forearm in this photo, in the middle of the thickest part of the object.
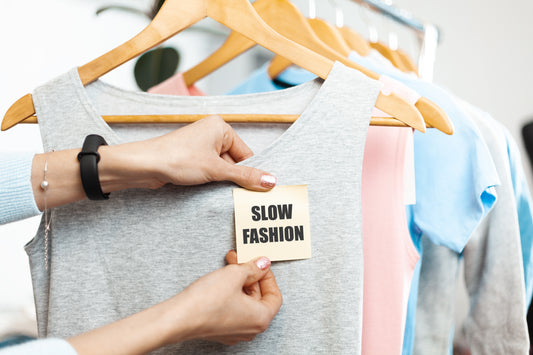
(120, 167)
(140, 333)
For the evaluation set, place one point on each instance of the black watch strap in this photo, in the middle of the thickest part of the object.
(89, 158)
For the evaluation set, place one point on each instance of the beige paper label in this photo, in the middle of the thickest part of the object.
(273, 224)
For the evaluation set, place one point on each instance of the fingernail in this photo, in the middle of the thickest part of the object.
(263, 263)
(268, 181)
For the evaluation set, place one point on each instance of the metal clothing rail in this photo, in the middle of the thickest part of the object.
(399, 15)
(429, 34)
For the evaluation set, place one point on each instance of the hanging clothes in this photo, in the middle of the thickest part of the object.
(175, 85)
(496, 322)
(389, 254)
(114, 259)
(455, 179)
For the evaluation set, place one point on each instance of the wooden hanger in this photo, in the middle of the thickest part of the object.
(355, 41)
(330, 35)
(175, 16)
(407, 61)
(285, 18)
(432, 114)
(391, 55)
(326, 33)
(230, 118)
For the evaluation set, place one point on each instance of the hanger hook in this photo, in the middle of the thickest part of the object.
(312, 8)
(392, 36)
(364, 11)
(339, 13)
(393, 40)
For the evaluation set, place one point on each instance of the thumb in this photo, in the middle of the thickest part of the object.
(255, 270)
(249, 178)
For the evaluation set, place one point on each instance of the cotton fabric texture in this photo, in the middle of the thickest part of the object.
(389, 254)
(16, 192)
(112, 259)
(496, 321)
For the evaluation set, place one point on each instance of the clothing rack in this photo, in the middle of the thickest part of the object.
(428, 33)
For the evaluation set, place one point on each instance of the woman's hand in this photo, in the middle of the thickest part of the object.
(201, 152)
(195, 154)
(221, 306)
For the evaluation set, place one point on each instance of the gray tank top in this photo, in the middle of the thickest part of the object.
(114, 258)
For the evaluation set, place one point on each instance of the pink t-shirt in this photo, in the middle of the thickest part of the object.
(389, 254)
(175, 85)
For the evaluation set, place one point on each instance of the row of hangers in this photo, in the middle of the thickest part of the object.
(276, 25)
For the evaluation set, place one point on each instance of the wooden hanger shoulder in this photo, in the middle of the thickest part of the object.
(355, 41)
(330, 35)
(388, 53)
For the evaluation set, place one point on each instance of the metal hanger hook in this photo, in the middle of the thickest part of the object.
(312, 8)
(392, 36)
(393, 40)
(364, 11)
(339, 13)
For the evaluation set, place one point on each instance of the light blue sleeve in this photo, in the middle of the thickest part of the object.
(524, 205)
(50, 346)
(454, 175)
(16, 193)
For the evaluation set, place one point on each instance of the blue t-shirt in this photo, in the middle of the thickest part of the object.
(455, 175)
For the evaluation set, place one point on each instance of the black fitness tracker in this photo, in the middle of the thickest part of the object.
(89, 158)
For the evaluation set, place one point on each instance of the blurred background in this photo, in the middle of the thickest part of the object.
(484, 57)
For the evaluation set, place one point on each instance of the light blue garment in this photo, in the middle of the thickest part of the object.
(259, 81)
(524, 209)
(455, 175)
(51, 346)
(524, 203)
(409, 331)
(16, 192)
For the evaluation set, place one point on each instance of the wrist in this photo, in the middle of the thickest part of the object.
(124, 167)
(178, 324)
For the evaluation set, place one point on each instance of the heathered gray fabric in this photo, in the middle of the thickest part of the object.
(114, 258)
(436, 299)
(494, 275)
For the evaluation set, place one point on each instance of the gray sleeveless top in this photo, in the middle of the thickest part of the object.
(114, 258)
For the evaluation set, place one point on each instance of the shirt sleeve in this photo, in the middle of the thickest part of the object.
(524, 205)
(51, 346)
(16, 192)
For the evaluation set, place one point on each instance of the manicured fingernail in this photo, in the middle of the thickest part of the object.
(263, 263)
(268, 181)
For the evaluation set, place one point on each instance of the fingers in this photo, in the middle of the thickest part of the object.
(255, 270)
(271, 293)
(234, 150)
(247, 177)
(231, 257)
(227, 158)
(234, 145)
(253, 290)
